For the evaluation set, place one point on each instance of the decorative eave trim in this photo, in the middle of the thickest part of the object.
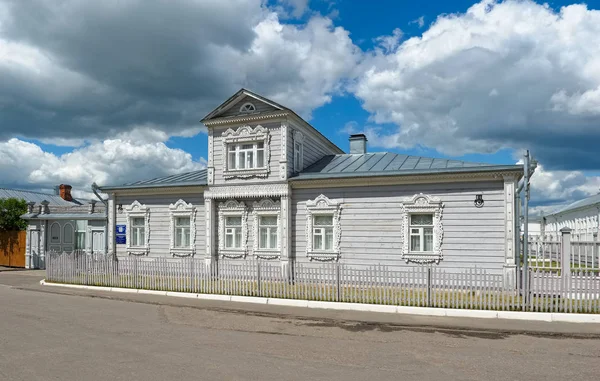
(248, 191)
(244, 119)
(159, 190)
(398, 179)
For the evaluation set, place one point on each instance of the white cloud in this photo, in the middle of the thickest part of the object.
(112, 161)
(561, 187)
(512, 74)
(419, 21)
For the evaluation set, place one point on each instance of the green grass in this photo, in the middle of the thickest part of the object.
(413, 297)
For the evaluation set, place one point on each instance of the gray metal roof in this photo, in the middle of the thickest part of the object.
(387, 163)
(64, 216)
(197, 178)
(36, 197)
(593, 200)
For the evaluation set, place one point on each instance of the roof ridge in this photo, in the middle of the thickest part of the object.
(27, 191)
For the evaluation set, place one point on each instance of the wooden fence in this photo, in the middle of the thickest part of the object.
(12, 248)
(424, 286)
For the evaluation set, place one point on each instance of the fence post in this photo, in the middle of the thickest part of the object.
(565, 261)
(595, 251)
(428, 286)
(337, 275)
(258, 277)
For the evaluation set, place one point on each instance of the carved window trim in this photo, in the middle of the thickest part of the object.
(323, 206)
(233, 208)
(182, 209)
(298, 138)
(137, 210)
(246, 134)
(266, 207)
(422, 204)
(247, 108)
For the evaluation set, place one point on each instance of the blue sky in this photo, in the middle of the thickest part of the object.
(117, 96)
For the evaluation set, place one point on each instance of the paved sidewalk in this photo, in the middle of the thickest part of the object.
(29, 280)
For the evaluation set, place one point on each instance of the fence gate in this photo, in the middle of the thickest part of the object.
(12, 248)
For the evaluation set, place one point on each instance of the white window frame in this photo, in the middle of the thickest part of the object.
(233, 208)
(266, 207)
(318, 207)
(244, 110)
(185, 210)
(422, 204)
(298, 148)
(137, 210)
(420, 232)
(246, 135)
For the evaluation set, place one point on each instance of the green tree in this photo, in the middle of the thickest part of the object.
(11, 210)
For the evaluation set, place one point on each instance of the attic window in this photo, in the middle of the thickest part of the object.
(247, 107)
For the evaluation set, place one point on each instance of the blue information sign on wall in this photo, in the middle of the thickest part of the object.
(121, 229)
(121, 240)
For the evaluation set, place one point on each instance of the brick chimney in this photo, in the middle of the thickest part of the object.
(65, 192)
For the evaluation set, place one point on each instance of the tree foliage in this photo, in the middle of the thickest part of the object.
(11, 210)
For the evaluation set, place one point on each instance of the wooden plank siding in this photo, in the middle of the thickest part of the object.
(371, 222)
(218, 155)
(315, 147)
(235, 109)
(160, 220)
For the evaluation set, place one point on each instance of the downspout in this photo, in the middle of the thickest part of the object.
(95, 190)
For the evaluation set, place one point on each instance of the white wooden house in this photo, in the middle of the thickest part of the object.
(581, 216)
(60, 223)
(275, 188)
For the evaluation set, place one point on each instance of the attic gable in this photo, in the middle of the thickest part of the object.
(244, 102)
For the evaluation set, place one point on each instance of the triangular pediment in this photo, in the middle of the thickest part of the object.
(244, 102)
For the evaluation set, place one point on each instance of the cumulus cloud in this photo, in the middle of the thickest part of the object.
(112, 161)
(512, 74)
(91, 70)
(553, 188)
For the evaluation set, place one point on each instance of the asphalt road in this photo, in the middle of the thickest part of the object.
(49, 336)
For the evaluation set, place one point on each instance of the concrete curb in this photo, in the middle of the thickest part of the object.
(423, 311)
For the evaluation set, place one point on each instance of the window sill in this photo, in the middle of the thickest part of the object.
(422, 257)
(246, 173)
(323, 256)
(138, 251)
(182, 252)
(232, 253)
(267, 254)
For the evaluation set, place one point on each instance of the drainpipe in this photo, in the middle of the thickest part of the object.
(95, 190)
(529, 167)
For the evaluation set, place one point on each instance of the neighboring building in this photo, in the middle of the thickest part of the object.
(275, 188)
(581, 216)
(60, 223)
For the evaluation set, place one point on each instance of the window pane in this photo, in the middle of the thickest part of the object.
(268, 220)
(142, 236)
(428, 242)
(138, 221)
(186, 237)
(323, 220)
(263, 238)
(415, 243)
(238, 238)
(182, 221)
(329, 239)
(80, 225)
(250, 159)
(231, 160)
(178, 237)
(260, 159)
(260, 145)
(241, 160)
(317, 240)
(273, 238)
(233, 221)
(421, 219)
(228, 240)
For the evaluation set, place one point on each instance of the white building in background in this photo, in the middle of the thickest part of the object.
(581, 216)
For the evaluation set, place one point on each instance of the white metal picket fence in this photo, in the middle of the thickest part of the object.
(416, 286)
